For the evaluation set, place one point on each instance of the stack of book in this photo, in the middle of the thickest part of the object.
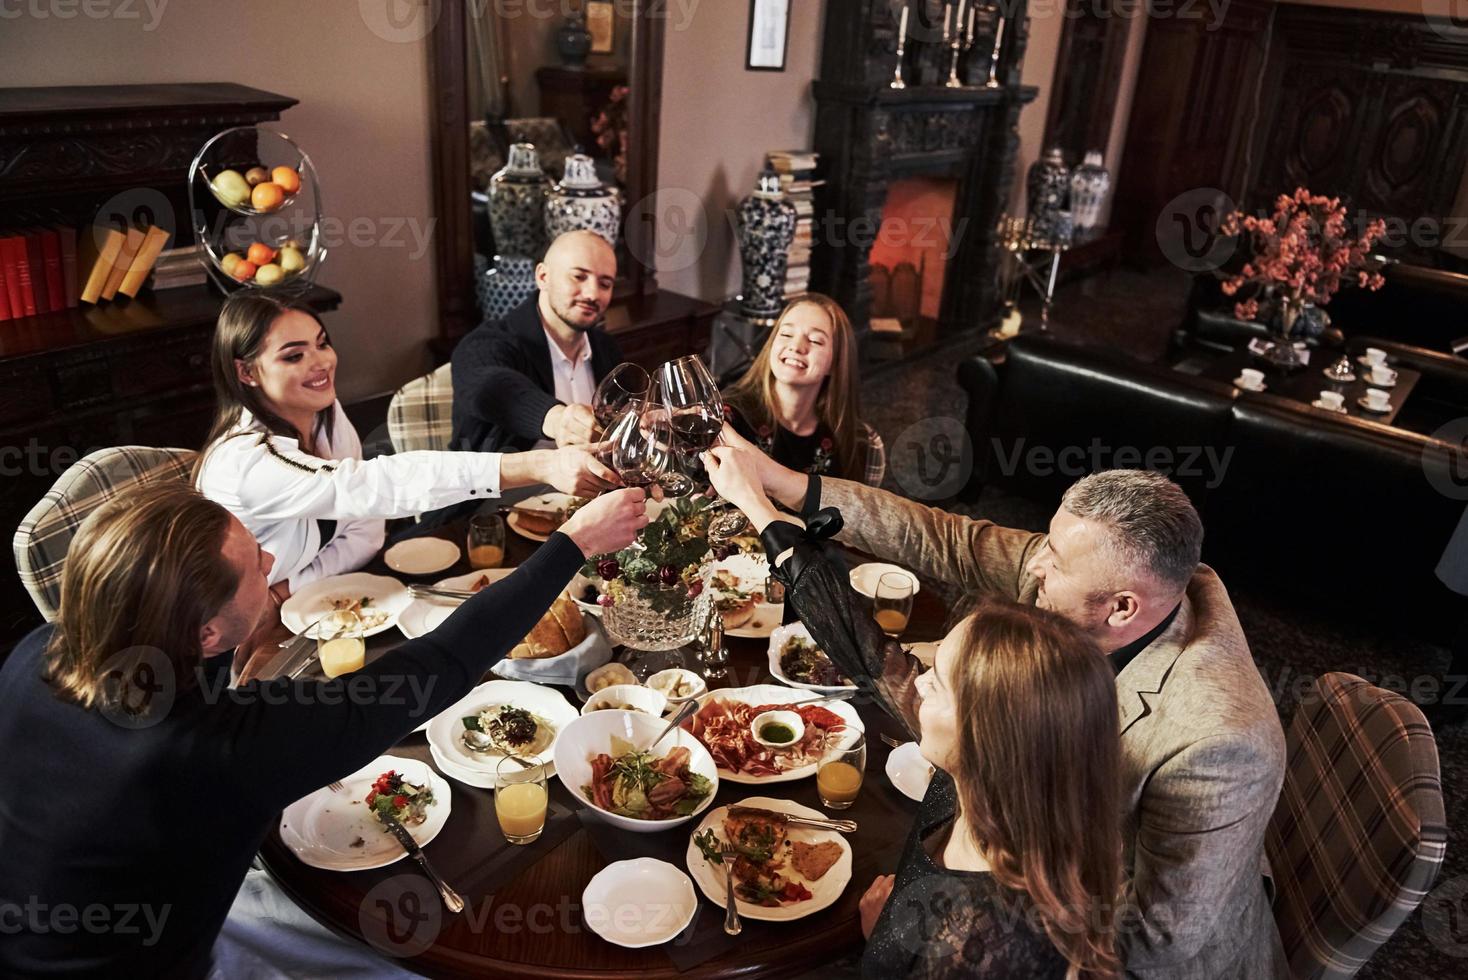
(54, 268)
(797, 170)
(178, 267)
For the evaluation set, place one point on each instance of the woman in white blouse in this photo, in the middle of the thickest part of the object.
(284, 459)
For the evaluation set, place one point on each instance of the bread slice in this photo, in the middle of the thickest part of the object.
(540, 520)
(814, 860)
(560, 629)
(571, 619)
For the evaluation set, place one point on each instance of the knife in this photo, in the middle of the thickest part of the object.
(844, 826)
(450, 897)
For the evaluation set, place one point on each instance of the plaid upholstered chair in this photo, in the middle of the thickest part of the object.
(420, 415)
(44, 536)
(1359, 833)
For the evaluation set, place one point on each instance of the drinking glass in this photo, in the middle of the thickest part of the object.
(841, 769)
(641, 444)
(486, 541)
(893, 603)
(696, 412)
(627, 383)
(520, 799)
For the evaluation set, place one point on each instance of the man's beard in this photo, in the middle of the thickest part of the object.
(572, 316)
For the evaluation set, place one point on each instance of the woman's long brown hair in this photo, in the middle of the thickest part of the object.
(1039, 772)
(839, 404)
(244, 321)
(144, 573)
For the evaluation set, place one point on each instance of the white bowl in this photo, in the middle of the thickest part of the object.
(662, 682)
(640, 698)
(778, 717)
(590, 735)
(864, 578)
(637, 903)
(778, 638)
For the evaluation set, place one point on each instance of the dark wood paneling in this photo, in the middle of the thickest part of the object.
(1087, 78)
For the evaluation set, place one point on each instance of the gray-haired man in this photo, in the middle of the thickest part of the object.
(1202, 750)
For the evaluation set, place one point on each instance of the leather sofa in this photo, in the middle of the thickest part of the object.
(1348, 513)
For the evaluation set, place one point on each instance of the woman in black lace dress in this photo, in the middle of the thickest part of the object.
(1013, 866)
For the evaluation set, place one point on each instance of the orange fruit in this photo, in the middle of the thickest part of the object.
(260, 253)
(244, 270)
(288, 179)
(267, 197)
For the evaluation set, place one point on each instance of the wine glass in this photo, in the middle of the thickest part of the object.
(625, 384)
(696, 412)
(892, 605)
(640, 444)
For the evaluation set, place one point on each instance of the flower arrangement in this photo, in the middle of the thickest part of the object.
(665, 566)
(1299, 256)
(610, 128)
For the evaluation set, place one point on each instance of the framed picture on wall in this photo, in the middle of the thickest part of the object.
(601, 21)
(769, 35)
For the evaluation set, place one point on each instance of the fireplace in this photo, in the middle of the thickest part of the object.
(948, 153)
(909, 258)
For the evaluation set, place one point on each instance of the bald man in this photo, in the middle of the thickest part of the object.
(527, 380)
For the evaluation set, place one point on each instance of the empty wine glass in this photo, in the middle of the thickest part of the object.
(625, 384)
(640, 445)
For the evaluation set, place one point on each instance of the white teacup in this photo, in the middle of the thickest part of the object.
(1375, 355)
(1252, 377)
(1333, 400)
(1382, 375)
(1378, 399)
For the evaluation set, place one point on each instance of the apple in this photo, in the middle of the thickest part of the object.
(232, 188)
(288, 179)
(269, 274)
(291, 260)
(260, 253)
(244, 270)
(230, 261)
(267, 196)
(256, 175)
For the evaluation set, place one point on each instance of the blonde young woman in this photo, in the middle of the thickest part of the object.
(799, 400)
(1013, 865)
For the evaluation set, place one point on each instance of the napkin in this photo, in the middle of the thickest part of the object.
(567, 668)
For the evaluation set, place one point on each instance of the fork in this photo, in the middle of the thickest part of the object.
(335, 786)
(732, 925)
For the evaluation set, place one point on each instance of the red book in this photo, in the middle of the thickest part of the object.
(55, 280)
(23, 272)
(70, 283)
(4, 293)
(11, 248)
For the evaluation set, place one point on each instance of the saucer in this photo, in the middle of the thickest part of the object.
(1317, 403)
(1239, 383)
(1361, 360)
(1371, 408)
(1379, 384)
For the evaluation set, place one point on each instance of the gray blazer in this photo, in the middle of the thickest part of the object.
(1203, 753)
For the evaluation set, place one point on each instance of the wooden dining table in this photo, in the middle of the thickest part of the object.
(523, 913)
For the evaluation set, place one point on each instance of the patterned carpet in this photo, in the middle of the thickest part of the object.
(1289, 641)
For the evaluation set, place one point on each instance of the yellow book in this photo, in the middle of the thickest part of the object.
(124, 262)
(106, 256)
(153, 243)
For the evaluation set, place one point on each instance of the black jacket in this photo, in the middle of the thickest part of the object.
(503, 383)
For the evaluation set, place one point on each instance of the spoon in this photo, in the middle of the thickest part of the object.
(684, 713)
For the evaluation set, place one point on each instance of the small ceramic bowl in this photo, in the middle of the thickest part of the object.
(688, 684)
(632, 697)
(789, 719)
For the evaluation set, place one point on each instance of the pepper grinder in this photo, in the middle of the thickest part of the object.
(715, 657)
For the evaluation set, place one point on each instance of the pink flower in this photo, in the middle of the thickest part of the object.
(1247, 310)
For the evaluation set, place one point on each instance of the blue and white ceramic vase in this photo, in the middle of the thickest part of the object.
(1089, 186)
(573, 41)
(517, 204)
(1048, 186)
(581, 202)
(505, 286)
(766, 231)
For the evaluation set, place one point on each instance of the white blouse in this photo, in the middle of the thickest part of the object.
(279, 492)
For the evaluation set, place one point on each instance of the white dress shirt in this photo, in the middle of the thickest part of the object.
(278, 492)
(575, 384)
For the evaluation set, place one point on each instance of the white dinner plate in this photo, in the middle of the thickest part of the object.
(472, 777)
(337, 832)
(777, 694)
(753, 571)
(314, 601)
(423, 616)
(637, 903)
(778, 639)
(445, 729)
(864, 578)
(421, 556)
(710, 877)
(909, 771)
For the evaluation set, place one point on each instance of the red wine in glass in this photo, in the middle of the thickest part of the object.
(696, 431)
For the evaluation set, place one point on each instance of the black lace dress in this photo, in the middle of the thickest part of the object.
(937, 922)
